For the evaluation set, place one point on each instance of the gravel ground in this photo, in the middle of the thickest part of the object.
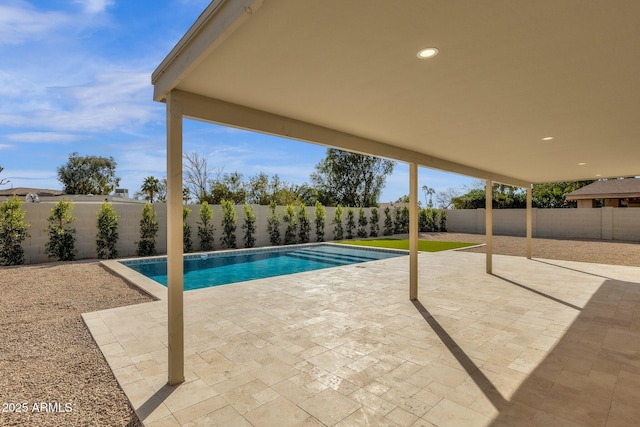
(47, 354)
(595, 251)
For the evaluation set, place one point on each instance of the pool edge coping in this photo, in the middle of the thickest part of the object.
(159, 292)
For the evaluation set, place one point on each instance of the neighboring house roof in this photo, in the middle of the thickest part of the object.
(54, 196)
(609, 189)
(23, 191)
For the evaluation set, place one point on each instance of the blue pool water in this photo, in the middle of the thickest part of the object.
(215, 269)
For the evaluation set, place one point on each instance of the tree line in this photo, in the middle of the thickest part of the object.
(345, 178)
(547, 195)
(341, 178)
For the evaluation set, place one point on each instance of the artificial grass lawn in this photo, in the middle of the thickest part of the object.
(423, 245)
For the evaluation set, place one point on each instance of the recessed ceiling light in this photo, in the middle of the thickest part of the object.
(547, 138)
(598, 174)
(581, 164)
(429, 52)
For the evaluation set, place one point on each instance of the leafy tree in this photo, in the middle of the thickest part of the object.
(338, 232)
(262, 190)
(351, 223)
(151, 187)
(432, 220)
(249, 226)
(107, 236)
(258, 191)
(423, 221)
(552, 194)
(148, 231)
(273, 225)
(3, 181)
(88, 175)
(442, 220)
(290, 219)
(388, 222)
(435, 219)
(205, 228)
(228, 186)
(305, 194)
(320, 215)
(401, 220)
(473, 199)
(13, 231)
(402, 199)
(187, 242)
(405, 219)
(62, 241)
(362, 223)
(350, 179)
(374, 223)
(548, 195)
(305, 226)
(229, 225)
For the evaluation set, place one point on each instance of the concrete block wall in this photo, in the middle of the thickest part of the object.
(604, 223)
(569, 223)
(626, 224)
(86, 215)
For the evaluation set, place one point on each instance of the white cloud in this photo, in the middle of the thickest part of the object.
(145, 158)
(42, 137)
(46, 179)
(20, 22)
(95, 6)
(6, 147)
(112, 101)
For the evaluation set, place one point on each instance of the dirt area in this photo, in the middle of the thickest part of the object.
(48, 356)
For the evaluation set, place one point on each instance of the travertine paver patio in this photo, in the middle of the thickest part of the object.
(540, 342)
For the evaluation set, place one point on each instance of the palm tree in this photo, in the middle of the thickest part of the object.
(428, 191)
(150, 187)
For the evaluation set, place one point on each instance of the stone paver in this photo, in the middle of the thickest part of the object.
(539, 342)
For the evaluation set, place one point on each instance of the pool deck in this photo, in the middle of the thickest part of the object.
(538, 343)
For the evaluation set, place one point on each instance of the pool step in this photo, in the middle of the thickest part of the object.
(316, 258)
(343, 256)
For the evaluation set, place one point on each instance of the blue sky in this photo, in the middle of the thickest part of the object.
(75, 75)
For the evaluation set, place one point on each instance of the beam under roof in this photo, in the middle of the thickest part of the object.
(200, 107)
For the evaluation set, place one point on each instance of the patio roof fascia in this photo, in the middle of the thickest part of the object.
(199, 107)
(199, 41)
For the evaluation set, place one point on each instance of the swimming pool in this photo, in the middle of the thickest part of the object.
(222, 268)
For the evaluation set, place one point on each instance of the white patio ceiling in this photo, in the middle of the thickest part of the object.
(508, 74)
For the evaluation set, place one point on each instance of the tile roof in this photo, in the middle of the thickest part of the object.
(612, 188)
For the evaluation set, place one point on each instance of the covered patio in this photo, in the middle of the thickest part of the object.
(517, 93)
(538, 343)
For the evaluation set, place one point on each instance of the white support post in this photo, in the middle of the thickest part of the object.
(489, 224)
(174, 241)
(529, 220)
(413, 231)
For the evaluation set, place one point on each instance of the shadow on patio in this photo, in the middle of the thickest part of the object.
(591, 376)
